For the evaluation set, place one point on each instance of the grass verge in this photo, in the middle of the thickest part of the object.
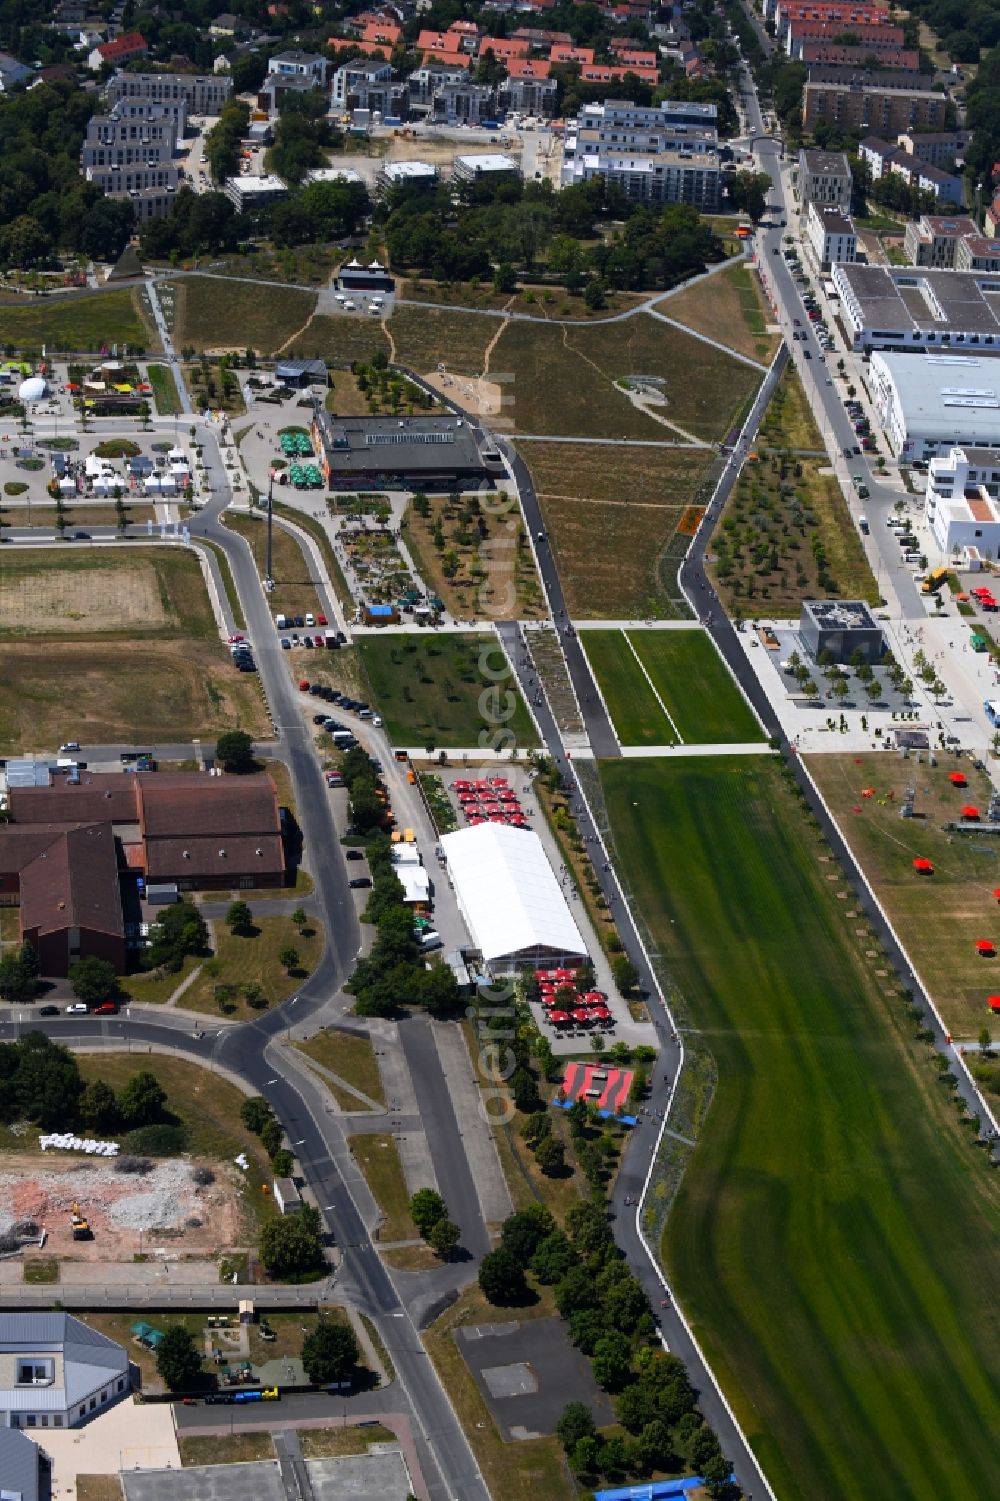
(835, 1238)
(378, 1159)
(225, 1448)
(168, 402)
(239, 961)
(352, 1057)
(330, 1443)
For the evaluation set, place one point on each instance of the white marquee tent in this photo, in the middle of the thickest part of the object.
(510, 899)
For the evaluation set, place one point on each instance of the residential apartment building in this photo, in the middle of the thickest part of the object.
(873, 37)
(869, 101)
(128, 153)
(297, 64)
(831, 235)
(825, 179)
(882, 158)
(935, 148)
(120, 51)
(370, 85)
(841, 12)
(467, 169)
(195, 93)
(645, 152)
(527, 95)
(933, 240)
(961, 499)
(832, 54)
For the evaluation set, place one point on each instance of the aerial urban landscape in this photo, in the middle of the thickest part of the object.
(499, 750)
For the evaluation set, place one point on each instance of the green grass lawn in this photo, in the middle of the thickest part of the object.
(694, 683)
(635, 714)
(164, 390)
(210, 313)
(76, 323)
(835, 1241)
(443, 690)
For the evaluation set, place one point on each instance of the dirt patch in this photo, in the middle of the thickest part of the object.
(480, 397)
(123, 1209)
(92, 599)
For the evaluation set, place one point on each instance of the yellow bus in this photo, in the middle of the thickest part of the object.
(934, 580)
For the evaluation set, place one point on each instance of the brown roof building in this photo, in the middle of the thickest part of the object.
(68, 847)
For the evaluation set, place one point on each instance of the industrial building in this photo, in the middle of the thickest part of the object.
(667, 154)
(74, 849)
(408, 453)
(57, 1371)
(512, 904)
(841, 627)
(891, 307)
(20, 1467)
(961, 501)
(927, 403)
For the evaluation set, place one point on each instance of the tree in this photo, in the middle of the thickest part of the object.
(576, 1421)
(625, 973)
(239, 918)
(178, 1361)
(612, 1360)
(443, 1238)
(593, 296)
(288, 958)
(255, 1113)
(142, 1100)
(426, 1208)
(525, 1090)
(93, 980)
(576, 1290)
(234, 751)
(272, 1136)
(522, 1233)
(553, 1258)
(330, 1352)
(19, 975)
(98, 1106)
(179, 930)
(985, 1040)
(282, 1163)
(501, 1280)
(289, 1246)
(550, 1154)
(300, 918)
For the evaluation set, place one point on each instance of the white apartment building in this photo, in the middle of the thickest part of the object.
(667, 154)
(961, 500)
(832, 236)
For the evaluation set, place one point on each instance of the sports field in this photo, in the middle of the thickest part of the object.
(836, 1241)
(446, 691)
(685, 694)
(938, 917)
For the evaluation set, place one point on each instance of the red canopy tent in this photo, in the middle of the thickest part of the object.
(559, 1018)
(462, 785)
(958, 779)
(581, 1016)
(996, 892)
(601, 1014)
(923, 867)
(993, 1001)
(985, 948)
(969, 811)
(499, 781)
(476, 819)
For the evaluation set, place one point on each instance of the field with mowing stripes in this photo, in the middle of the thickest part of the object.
(685, 695)
(836, 1241)
(694, 684)
(637, 717)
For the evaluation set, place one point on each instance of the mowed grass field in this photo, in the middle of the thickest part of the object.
(213, 313)
(836, 1241)
(86, 636)
(688, 696)
(426, 336)
(729, 307)
(446, 691)
(78, 322)
(563, 380)
(938, 917)
(637, 717)
(694, 684)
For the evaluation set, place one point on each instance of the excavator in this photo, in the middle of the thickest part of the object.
(79, 1225)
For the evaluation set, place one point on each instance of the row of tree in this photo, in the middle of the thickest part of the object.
(40, 1082)
(330, 1353)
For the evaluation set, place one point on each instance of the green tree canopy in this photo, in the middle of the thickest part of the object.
(93, 980)
(234, 752)
(501, 1280)
(289, 1246)
(330, 1352)
(142, 1100)
(178, 1361)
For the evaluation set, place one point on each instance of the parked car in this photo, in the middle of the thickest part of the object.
(78, 1008)
(321, 620)
(286, 645)
(355, 855)
(69, 745)
(48, 1010)
(105, 1008)
(319, 719)
(358, 883)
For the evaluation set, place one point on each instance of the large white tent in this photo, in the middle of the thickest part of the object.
(510, 899)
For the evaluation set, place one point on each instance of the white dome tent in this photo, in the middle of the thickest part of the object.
(32, 389)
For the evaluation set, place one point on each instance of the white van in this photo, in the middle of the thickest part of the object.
(281, 622)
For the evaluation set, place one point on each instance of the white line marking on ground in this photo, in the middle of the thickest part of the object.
(652, 688)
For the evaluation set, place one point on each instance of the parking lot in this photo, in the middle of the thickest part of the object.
(527, 1372)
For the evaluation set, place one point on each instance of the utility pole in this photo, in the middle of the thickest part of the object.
(268, 576)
